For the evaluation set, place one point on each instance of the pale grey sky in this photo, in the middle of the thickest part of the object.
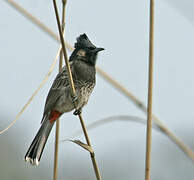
(122, 29)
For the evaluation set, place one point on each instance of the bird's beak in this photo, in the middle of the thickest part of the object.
(98, 49)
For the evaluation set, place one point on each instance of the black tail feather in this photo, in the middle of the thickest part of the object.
(36, 148)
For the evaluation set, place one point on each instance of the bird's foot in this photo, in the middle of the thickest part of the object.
(74, 99)
(77, 112)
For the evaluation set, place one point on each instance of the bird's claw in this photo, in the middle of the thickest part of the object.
(74, 99)
(77, 112)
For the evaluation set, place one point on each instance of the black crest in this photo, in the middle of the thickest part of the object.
(83, 41)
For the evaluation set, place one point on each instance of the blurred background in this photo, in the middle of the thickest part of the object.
(121, 27)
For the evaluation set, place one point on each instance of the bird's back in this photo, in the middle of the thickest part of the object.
(84, 81)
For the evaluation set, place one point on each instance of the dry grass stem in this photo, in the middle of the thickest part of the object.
(188, 151)
(36, 21)
(81, 144)
(116, 118)
(110, 119)
(97, 173)
(34, 94)
(56, 152)
(132, 119)
(150, 94)
(70, 78)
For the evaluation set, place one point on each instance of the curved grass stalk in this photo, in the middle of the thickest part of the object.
(34, 94)
(188, 151)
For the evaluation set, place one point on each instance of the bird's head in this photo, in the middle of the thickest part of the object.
(85, 50)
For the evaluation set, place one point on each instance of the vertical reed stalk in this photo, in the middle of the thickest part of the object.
(150, 90)
(55, 174)
(186, 149)
(98, 177)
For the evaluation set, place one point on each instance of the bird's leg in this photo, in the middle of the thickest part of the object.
(77, 112)
(74, 99)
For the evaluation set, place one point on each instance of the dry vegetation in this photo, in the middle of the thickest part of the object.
(150, 116)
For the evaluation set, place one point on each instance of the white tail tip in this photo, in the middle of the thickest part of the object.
(33, 162)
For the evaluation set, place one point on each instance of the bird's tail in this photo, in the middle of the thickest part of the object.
(35, 150)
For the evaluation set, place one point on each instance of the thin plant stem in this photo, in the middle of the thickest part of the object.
(36, 21)
(98, 177)
(186, 149)
(150, 94)
(112, 119)
(63, 30)
(34, 93)
(55, 173)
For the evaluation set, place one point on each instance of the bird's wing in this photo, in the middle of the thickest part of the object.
(56, 90)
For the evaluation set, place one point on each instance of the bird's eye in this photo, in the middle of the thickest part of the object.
(91, 48)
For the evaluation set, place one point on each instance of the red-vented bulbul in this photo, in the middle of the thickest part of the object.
(59, 99)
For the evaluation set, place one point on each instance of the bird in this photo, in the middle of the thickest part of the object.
(60, 100)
